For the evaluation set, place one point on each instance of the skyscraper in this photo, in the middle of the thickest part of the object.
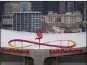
(52, 6)
(70, 6)
(37, 6)
(78, 6)
(62, 7)
(85, 11)
(82, 7)
(45, 6)
(25, 6)
(11, 7)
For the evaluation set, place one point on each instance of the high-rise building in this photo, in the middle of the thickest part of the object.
(52, 6)
(62, 7)
(27, 21)
(7, 18)
(85, 11)
(37, 6)
(11, 7)
(70, 6)
(25, 6)
(78, 6)
(45, 6)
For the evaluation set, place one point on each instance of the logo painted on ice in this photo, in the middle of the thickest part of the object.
(39, 37)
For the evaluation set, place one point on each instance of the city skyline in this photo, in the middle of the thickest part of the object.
(57, 7)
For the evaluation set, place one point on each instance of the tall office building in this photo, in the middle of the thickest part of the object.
(62, 7)
(7, 18)
(27, 21)
(37, 6)
(45, 6)
(70, 6)
(52, 6)
(11, 7)
(77, 6)
(82, 7)
(85, 11)
(74, 6)
(25, 6)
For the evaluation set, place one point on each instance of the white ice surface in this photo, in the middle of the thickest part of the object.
(7, 35)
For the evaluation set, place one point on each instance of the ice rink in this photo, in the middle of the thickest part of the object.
(48, 38)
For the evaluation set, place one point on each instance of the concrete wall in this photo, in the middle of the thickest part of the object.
(8, 59)
(11, 60)
(66, 60)
(73, 60)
